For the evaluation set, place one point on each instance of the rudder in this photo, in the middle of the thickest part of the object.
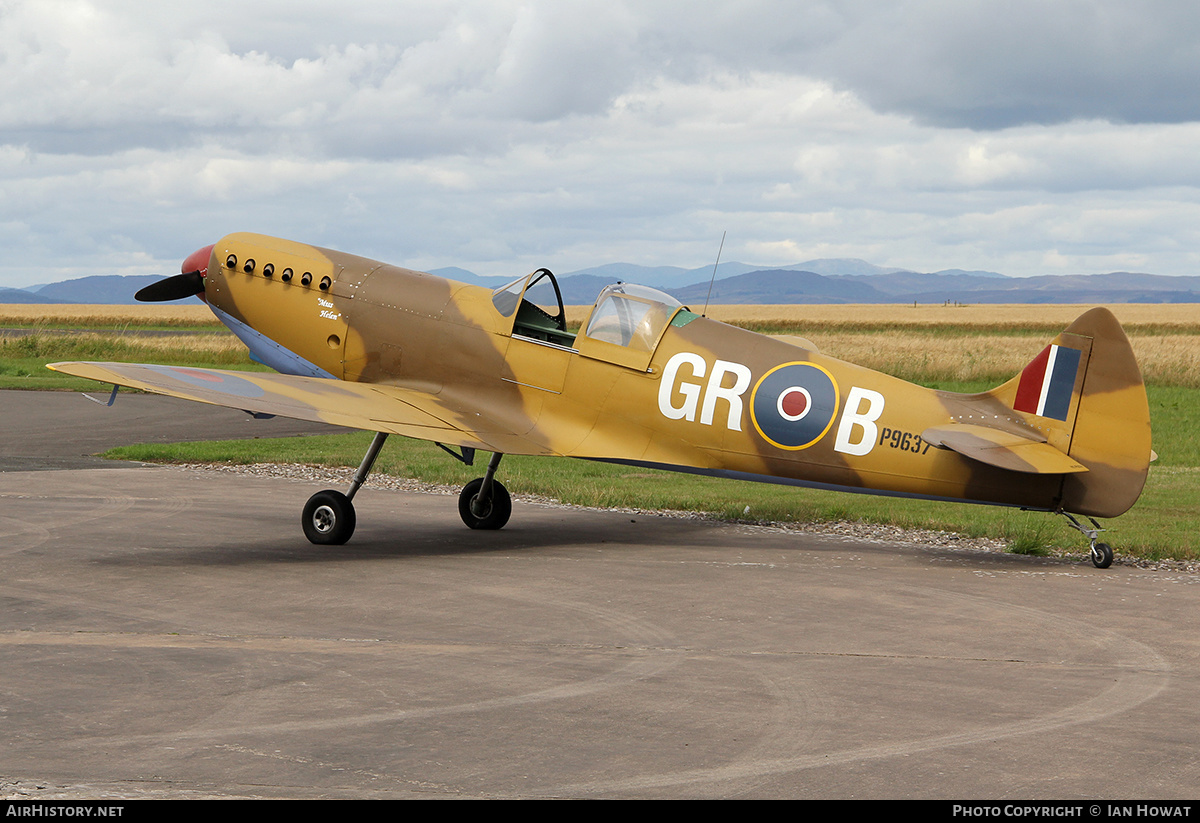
(1084, 392)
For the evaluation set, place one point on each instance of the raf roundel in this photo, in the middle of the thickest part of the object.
(227, 384)
(793, 405)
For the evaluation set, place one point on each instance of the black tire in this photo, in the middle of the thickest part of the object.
(328, 518)
(1102, 555)
(497, 514)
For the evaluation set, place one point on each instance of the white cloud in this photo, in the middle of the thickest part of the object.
(504, 135)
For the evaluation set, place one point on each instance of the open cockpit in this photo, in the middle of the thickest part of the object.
(536, 306)
(625, 315)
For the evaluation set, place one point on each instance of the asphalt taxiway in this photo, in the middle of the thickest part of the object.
(170, 633)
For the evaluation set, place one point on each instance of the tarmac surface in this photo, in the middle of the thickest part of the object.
(168, 633)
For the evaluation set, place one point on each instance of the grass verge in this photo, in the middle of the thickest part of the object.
(23, 359)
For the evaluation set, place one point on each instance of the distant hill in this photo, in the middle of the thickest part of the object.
(908, 283)
(973, 273)
(23, 296)
(1115, 287)
(581, 289)
(98, 288)
(675, 277)
(782, 286)
(843, 266)
(842, 281)
(661, 277)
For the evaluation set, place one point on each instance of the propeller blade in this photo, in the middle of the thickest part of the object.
(173, 288)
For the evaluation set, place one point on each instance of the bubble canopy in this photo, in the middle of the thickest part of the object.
(630, 315)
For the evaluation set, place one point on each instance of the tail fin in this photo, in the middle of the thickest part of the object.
(1085, 393)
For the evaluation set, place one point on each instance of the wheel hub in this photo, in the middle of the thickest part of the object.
(324, 519)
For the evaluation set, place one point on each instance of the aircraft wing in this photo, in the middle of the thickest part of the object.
(392, 409)
(1005, 450)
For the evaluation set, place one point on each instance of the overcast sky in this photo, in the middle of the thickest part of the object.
(1025, 136)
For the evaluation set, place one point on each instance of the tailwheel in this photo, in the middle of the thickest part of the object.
(1101, 553)
(480, 512)
(328, 518)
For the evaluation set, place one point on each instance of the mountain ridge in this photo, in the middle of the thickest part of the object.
(844, 280)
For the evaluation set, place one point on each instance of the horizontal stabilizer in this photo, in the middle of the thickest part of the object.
(1005, 450)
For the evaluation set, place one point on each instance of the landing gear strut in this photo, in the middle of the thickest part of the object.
(1102, 553)
(328, 518)
(484, 502)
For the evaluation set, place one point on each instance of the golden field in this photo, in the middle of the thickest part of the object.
(1179, 316)
(794, 319)
(32, 315)
(936, 344)
(926, 344)
(923, 357)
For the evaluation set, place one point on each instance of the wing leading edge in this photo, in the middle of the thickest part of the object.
(371, 407)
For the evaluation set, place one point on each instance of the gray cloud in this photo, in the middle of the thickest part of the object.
(405, 79)
(1022, 137)
(987, 65)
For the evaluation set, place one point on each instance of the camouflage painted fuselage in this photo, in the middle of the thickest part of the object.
(695, 395)
(647, 382)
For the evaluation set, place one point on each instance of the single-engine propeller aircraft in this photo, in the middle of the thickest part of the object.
(644, 382)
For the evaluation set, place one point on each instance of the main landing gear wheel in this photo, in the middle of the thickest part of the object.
(328, 518)
(484, 514)
(1102, 555)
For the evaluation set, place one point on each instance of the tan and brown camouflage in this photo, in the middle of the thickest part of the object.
(646, 381)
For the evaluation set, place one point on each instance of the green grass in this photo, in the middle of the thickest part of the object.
(23, 359)
(1165, 523)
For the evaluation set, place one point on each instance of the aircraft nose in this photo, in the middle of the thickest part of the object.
(190, 280)
(197, 261)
